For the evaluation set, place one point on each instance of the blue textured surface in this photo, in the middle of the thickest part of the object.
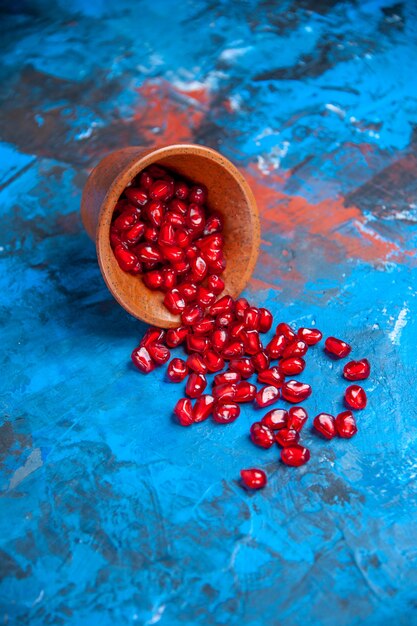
(111, 513)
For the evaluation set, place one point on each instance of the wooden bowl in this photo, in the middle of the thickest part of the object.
(228, 193)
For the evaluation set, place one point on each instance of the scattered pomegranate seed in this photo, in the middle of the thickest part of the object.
(325, 425)
(195, 385)
(215, 283)
(205, 327)
(261, 435)
(275, 419)
(346, 425)
(142, 359)
(271, 376)
(159, 353)
(226, 412)
(234, 349)
(276, 347)
(197, 343)
(223, 305)
(153, 335)
(295, 455)
(286, 437)
(286, 330)
(265, 320)
(295, 348)
(219, 339)
(226, 391)
(311, 336)
(267, 395)
(227, 377)
(196, 363)
(176, 336)
(260, 361)
(355, 397)
(174, 301)
(244, 366)
(251, 318)
(177, 370)
(253, 478)
(203, 408)
(214, 361)
(184, 412)
(295, 391)
(337, 347)
(297, 417)
(192, 314)
(357, 370)
(245, 392)
(291, 366)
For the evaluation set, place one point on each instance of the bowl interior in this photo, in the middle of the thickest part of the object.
(228, 193)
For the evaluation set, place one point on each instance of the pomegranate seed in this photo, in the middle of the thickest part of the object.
(205, 297)
(218, 266)
(178, 206)
(142, 359)
(188, 291)
(325, 425)
(148, 252)
(154, 280)
(311, 336)
(151, 234)
(265, 320)
(346, 425)
(292, 366)
(152, 335)
(271, 376)
(184, 411)
(295, 348)
(155, 211)
(202, 408)
(295, 455)
(174, 301)
(159, 353)
(161, 190)
(198, 269)
(287, 437)
(180, 267)
(136, 196)
(126, 219)
(166, 234)
(253, 478)
(196, 363)
(176, 219)
(176, 336)
(205, 327)
(214, 224)
(181, 190)
(267, 395)
(226, 391)
(357, 370)
(251, 318)
(252, 342)
(214, 361)
(197, 343)
(223, 305)
(261, 435)
(224, 319)
(226, 412)
(177, 370)
(145, 180)
(337, 347)
(215, 283)
(297, 417)
(182, 238)
(198, 194)
(227, 377)
(156, 171)
(127, 261)
(245, 392)
(286, 330)
(192, 314)
(195, 217)
(169, 279)
(174, 254)
(241, 305)
(219, 339)
(355, 397)
(295, 391)
(276, 347)
(115, 238)
(275, 419)
(234, 349)
(196, 384)
(236, 329)
(132, 235)
(260, 361)
(243, 366)
(211, 245)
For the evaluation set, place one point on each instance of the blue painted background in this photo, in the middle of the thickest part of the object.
(110, 512)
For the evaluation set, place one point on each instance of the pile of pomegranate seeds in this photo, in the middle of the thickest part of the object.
(163, 230)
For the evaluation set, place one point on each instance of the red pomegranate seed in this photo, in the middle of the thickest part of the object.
(295, 348)
(243, 366)
(205, 327)
(127, 219)
(357, 370)
(169, 279)
(275, 419)
(252, 342)
(211, 245)
(136, 196)
(180, 267)
(226, 391)
(337, 347)
(205, 297)
(224, 319)
(295, 391)
(182, 238)
(127, 261)
(261, 435)
(214, 361)
(115, 238)
(226, 412)
(174, 301)
(151, 234)
(325, 425)
(245, 392)
(176, 336)
(152, 335)
(176, 219)
(181, 190)
(153, 280)
(215, 283)
(177, 370)
(202, 408)
(132, 235)
(222, 305)
(197, 343)
(148, 252)
(155, 211)
(142, 359)
(271, 376)
(198, 269)
(178, 206)
(286, 330)
(260, 361)
(188, 291)
(145, 180)
(184, 412)
(251, 318)
(196, 384)
(297, 417)
(276, 347)
(295, 455)
(218, 267)
(192, 314)
(292, 366)
(311, 336)
(355, 397)
(195, 217)
(241, 305)
(346, 425)
(219, 339)
(161, 190)
(233, 350)
(196, 363)
(253, 478)
(287, 437)
(267, 395)
(174, 254)
(214, 224)
(227, 377)
(265, 320)
(236, 329)
(166, 234)
(159, 353)
(198, 194)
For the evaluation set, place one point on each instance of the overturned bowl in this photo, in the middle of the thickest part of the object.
(228, 193)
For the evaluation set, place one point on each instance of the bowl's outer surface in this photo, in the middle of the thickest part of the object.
(228, 193)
